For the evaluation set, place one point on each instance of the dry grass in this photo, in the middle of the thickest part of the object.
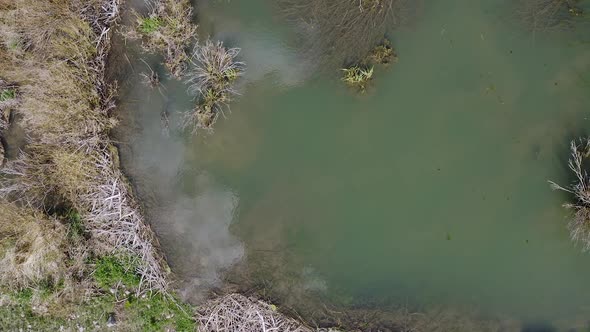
(32, 247)
(579, 225)
(56, 69)
(168, 29)
(237, 313)
(65, 105)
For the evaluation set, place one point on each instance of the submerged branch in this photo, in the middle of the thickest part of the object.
(168, 29)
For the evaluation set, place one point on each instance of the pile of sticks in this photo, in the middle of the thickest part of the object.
(237, 313)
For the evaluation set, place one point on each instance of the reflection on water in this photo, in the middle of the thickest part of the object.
(428, 191)
(199, 227)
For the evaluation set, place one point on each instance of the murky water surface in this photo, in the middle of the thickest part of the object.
(430, 189)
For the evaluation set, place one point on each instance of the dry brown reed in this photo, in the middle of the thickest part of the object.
(32, 247)
(237, 313)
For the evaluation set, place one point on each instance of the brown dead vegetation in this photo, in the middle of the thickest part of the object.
(55, 52)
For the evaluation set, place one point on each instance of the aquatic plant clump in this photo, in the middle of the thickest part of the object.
(382, 54)
(168, 29)
(212, 82)
(361, 74)
(579, 225)
(357, 76)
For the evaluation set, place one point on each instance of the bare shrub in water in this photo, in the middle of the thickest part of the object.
(344, 31)
(579, 225)
(168, 28)
(212, 82)
(237, 313)
(541, 15)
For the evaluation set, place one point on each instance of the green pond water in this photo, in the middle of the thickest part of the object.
(429, 190)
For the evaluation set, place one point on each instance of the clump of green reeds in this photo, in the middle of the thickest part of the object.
(357, 76)
(168, 29)
(215, 70)
(579, 225)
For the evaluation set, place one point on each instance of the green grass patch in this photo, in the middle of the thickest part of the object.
(24, 295)
(158, 313)
(149, 25)
(7, 94)
(149, 312)
(76, 229)
(111, 270)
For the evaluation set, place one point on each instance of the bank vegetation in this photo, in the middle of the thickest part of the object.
(210, 71)
(66, 210)
(167, 29)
